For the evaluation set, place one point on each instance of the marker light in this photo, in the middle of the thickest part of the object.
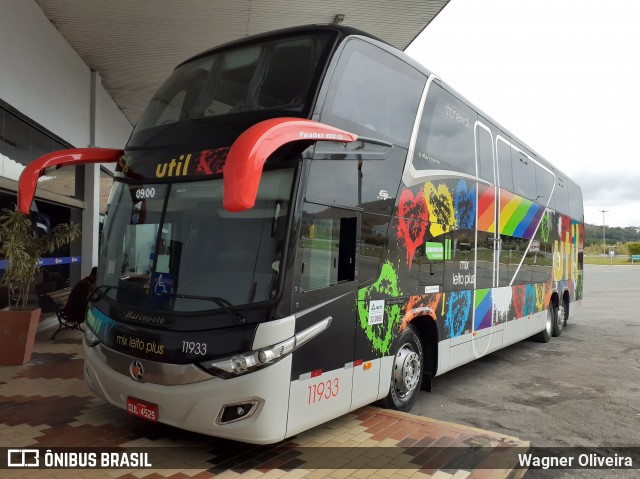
(250, 361)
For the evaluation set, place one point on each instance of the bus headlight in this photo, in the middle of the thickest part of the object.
(244, 363)
(89, 336)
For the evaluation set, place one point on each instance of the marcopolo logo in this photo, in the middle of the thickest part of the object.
(23, 458)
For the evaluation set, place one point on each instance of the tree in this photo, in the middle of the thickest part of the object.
(634, 248)
(22, 247)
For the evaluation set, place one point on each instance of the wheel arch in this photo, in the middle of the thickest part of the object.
(428, 334)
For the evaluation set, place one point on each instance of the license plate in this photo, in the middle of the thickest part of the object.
(143, 409)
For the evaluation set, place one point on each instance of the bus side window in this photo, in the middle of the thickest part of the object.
(544, 184)
(371, 245)
(575, 201)
(326, 246)
(446, 134)
(524, 174)
(505, 171)
(373, 94)
(562, 195)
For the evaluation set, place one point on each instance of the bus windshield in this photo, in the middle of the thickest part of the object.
(173, 247)
(277, 75)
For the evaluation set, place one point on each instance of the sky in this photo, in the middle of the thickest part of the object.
(563, 76)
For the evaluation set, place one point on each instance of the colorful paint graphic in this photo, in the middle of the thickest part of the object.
(444, 207)
(458, 307)
(519, 217)
(502, 298)
(564, 227)
(211, 162)
(465, 206)
(529, 299)
(413, 217)
(545, 227)
(420, 305)
(565, 250)
(483, 309)
(486, 208)
(540, 296)
(381, 335)
(518, 294)
(441, 209)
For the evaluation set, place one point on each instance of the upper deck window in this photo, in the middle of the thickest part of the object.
(446, 135)
(373, 94)
(278, 74)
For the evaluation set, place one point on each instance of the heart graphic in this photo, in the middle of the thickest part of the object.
(545, 227)
(529, 299)
(441, 211)
(565, 229)
(381, 335)
(465, 206)
(212, 161)
(413, 217)
(458, 306)
(518, 300)
(420, 305)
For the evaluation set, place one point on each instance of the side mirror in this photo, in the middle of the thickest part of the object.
(41, 223)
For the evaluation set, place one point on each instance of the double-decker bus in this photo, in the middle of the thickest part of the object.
(308, 221)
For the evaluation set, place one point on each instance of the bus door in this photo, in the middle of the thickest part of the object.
(487, 330)
(324, 286)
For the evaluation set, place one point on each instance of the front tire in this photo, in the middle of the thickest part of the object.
(406, 375)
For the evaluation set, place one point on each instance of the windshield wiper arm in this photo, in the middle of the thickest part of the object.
(222, 303)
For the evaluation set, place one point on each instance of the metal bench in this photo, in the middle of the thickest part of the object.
(55, 301)
(635, 257)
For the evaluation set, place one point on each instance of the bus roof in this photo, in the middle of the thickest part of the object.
(342, 31)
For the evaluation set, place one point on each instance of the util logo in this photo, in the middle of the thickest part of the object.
(175, 167)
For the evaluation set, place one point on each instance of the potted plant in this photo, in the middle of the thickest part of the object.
(22, 245)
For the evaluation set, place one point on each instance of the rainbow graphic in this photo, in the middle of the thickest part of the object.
(519, 217)
(482, 304)
(487, 208)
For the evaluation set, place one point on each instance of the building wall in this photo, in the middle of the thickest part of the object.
(46, 80)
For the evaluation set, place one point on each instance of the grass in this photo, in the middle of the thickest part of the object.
(609, 261)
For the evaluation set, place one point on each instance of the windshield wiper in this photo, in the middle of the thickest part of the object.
(98, 292)
(222, 303)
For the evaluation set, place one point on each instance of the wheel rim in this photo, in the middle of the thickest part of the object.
(407, 370)
(561, 316)
(549, 324)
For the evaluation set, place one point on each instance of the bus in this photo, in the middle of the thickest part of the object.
(308, 221)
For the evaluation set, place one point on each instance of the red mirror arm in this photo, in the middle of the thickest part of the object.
(246, 158)
(77, 156)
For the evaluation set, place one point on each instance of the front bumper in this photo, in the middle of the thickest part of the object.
(196, 406)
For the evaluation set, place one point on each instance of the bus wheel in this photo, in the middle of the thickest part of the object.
(544, 336)
(559, 320)
(406, 375)
(563, 311)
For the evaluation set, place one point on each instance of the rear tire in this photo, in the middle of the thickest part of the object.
(558, 322)
(406, 375)
(563, 311)
(544, 336)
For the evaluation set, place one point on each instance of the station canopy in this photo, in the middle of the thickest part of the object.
(134, 45)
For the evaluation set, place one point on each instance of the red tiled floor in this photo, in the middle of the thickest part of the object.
(47, 405)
